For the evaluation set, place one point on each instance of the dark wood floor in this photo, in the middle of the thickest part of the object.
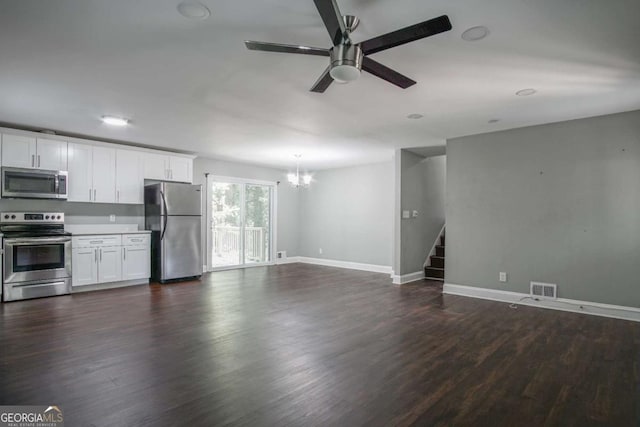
(301, 345)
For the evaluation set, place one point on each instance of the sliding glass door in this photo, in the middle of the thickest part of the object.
(240, 222)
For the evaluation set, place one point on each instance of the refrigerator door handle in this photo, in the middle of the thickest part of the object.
(166, 215)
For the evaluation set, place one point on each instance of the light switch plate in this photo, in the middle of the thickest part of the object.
(406, 214)
(503, 276)
(112, 218)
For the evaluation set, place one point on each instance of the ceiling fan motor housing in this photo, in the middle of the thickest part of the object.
(347, 54)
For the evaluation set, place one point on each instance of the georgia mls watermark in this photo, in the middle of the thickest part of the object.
(31, 416)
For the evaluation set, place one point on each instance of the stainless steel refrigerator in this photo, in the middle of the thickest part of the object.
(173, 213)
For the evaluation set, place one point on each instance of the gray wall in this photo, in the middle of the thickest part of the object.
(80, 213)
(557, 203)
(348, 212)
(287, 226)
(422, 182)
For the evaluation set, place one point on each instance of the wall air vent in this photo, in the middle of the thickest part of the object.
(544, 290)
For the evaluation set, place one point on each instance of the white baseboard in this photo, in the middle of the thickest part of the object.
(407, 278)
(563, 304)
(340, 264)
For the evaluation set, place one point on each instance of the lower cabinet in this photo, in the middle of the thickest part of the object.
(84, 263)
(110, 258)
(109, 264)
(135, 262)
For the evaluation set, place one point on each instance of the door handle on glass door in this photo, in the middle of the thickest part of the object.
(33, 160)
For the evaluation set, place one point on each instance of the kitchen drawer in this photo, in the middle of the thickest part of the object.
(96, 241)
(135, 239)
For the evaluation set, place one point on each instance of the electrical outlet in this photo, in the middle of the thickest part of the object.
(112, 218)
(503, 276)
(320, 251)
(415, 214)
(406, 214)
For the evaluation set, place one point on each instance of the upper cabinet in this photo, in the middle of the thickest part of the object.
(98, 172)
(92, 174)
(168, 168)
(155, 167)
(80, 186)
(22, 151)
(129, 177)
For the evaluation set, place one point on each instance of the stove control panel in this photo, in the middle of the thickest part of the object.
(32, 217)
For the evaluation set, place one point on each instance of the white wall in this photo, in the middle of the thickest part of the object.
(557, 203)
(348, 212)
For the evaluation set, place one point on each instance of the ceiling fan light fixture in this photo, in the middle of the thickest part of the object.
(344, 73)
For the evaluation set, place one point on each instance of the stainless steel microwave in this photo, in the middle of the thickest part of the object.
(23, 183)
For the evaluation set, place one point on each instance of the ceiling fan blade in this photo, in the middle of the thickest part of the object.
(415, 32)
(386, 73)
(323, 82)
(332, 19)
(286, 48)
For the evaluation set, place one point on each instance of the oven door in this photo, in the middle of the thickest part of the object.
(30, 259)
(34, 183)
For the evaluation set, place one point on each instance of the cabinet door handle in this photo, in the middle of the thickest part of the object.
(38, 160)
(94, 194)
(33, 160)
(100, 255)
(95, 251)
(89, 194)
(124, 253)
(117, 195)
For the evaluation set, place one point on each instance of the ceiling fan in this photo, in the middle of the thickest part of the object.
(348, 59)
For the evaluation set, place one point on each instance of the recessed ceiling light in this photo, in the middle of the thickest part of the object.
(475, 33)
(115, 121)
(493, 121)
(526, 92)
(415, 116)
(194, 10)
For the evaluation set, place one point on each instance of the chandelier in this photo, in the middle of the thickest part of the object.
(295, 179)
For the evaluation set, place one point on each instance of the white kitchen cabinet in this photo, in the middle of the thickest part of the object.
(18, 151)
(129, 179)
(180, 169)
(84, 263)
(135, 262)
(104, 175)
(51, 154)
(22, 151)
(156, 166)
(92, 173)
(167, 168)
(80, 173)
(109, 264)
(110, 258)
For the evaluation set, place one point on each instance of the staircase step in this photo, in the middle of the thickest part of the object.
(440, 250)
(437, 262)
(434, 273)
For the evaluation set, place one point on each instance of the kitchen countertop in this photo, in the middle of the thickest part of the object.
(90, 233)
(91, 229)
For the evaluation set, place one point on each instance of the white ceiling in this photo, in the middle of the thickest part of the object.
(192, 85)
